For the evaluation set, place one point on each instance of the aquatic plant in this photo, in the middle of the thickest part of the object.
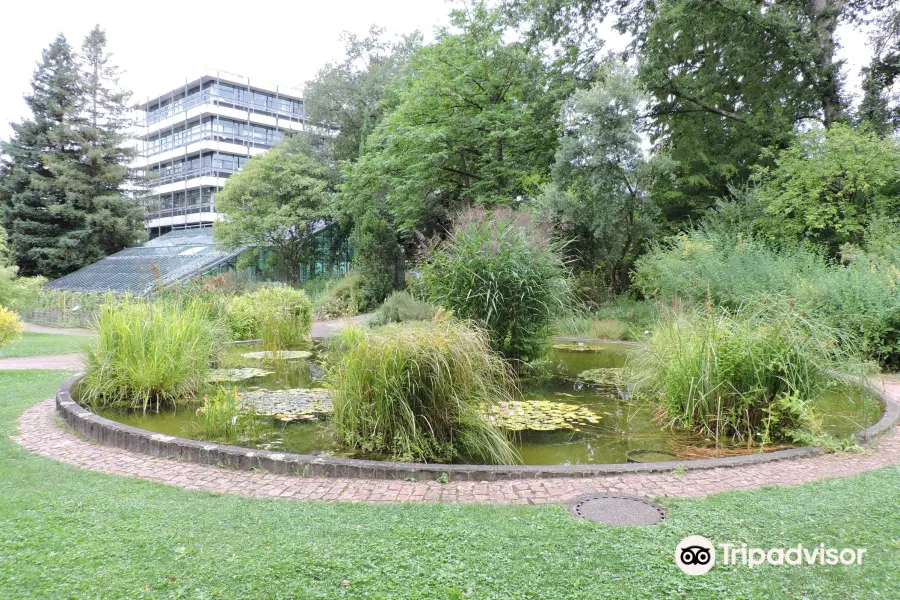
(749, 374)
(223, 417)
(149, 354)
(415, 391)
(539, 415)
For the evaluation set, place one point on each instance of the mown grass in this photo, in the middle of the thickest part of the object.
(45, 344)
(68, 533)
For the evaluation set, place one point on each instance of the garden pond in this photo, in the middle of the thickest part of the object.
(581, 415)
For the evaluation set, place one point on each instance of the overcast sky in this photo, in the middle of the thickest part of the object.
(282, 42)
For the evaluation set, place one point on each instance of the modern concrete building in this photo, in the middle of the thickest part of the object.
(195, 136)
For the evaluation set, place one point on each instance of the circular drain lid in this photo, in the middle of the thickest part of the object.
(618, 510)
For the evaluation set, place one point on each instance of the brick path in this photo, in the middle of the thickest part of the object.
(40, 433)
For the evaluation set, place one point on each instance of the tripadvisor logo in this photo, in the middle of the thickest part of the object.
(696, 555)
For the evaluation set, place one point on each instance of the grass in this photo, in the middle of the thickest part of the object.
(150, 354)
(68, 533)
(45, 344)
(415, 390)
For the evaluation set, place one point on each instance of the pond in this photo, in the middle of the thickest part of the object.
(607, 426)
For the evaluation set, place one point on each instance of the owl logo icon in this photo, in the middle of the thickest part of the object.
(695, 555)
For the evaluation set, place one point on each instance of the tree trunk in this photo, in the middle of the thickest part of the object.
(823, 14)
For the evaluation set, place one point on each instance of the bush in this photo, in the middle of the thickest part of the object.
(859, 297)
(280, 316)
(749, 374)
(417, 391)
(400, 307)
(503, 272)
(340, 298)
(10, 326)
(150, 354)
(377, 256)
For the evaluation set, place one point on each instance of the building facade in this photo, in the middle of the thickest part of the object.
(197, 135)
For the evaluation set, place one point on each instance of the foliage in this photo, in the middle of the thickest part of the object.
(352, 95)
(415, 390)
(540, 415)
(476, 123)
(278, 201)
(504, 272)
(377, 257)
(10, 326)
(280, 316)
(15, 292)
(828, 186)
(401, 307)
(343, 297)
(64, 170)
(859, 297)
(599, 193)
(749, 374)
(224, 418)
(149, 354)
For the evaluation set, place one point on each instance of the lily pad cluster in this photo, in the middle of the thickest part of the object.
(611, 377)
(540, 415)
(217, 375)
(578, 347)
(290, 405)
(278, 355)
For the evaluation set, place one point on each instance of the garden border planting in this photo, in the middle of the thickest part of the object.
(118, 435)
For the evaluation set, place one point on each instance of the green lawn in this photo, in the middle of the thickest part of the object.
(42, 344)
(66, 533)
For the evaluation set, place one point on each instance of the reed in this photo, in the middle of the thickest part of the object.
(414, 391)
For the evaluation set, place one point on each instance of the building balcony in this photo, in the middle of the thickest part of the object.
(212, 97)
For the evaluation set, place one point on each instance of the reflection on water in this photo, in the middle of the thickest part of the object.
(623, 426)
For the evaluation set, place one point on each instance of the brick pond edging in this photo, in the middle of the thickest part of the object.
(118, 435)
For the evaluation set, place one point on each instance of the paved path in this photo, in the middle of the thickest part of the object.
(56, 331)
(322, 329)
(40, 433)
(62, 362)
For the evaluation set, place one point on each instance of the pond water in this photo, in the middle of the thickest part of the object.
(621, 425)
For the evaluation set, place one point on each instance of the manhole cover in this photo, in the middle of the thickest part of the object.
(618, 510)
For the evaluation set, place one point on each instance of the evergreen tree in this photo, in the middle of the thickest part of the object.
(63, 171)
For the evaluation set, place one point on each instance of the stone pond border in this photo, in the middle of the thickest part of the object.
(111, 433)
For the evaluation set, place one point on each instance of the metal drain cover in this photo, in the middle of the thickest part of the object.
(618, 510)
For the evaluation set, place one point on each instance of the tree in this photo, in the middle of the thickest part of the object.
(475, 123)
(828, 187)
(277, 202)
(61, 176)
(729, 78)
(599, 197)
(880, 107)
(351, 95)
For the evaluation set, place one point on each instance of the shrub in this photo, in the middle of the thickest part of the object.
(400, 307)
(859, 297)
(749, 374)
(280, 316)
(10, 326)
(377, 256)
(503, 272)
(416, 391)
(149, 354)
(340, 298)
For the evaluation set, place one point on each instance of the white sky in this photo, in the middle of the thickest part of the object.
(277, 41)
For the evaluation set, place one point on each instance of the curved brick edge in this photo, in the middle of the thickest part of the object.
(118, 435)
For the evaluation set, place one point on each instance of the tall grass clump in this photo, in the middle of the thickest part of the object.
(223, 417)
(149, 354)
(748, 374)
(504, 272)
(416, 391)
(280, 316)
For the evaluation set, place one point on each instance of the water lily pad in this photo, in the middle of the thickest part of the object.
(612, 377)
(290, 405)
(540, 415)
(578, 347)
(278, 355)
(216, 375)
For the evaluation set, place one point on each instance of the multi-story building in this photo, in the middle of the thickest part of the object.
(195, 136)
